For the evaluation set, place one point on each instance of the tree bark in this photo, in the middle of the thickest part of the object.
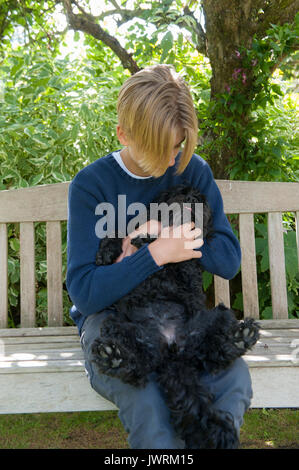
(232, 23)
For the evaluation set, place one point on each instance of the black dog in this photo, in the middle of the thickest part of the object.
(163, 326)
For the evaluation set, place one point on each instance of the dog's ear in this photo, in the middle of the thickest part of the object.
(208, 229)
(193, 195)
(185, 193)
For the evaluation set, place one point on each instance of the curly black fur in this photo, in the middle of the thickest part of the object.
(163, 325)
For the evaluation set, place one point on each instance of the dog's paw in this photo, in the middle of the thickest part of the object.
(117, 361)
(222, 433)
(107, 354)
(247, 334)
(216, 431)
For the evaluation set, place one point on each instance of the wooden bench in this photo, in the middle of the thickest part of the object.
(42, 369)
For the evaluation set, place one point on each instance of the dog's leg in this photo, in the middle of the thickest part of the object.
(216, 431)
(216, 338)
(186, 398)
(192, 414)
(120, 351)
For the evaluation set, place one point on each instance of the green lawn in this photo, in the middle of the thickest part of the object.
(271, 429)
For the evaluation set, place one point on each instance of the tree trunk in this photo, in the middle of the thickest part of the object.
(231, 24)
(227, 26)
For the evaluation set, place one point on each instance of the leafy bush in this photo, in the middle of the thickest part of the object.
(56, 116)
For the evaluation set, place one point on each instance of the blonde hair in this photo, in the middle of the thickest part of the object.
(152, 105)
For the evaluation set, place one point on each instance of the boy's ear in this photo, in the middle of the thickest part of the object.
(121, 135)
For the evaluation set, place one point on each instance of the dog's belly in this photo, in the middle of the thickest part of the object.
(163, 318)
(169, 333)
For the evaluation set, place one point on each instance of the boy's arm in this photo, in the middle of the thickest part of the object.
(93, 288)
(222, 254)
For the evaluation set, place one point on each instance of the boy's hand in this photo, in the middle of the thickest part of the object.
(151, 227)
(176, 244)
(128, 249)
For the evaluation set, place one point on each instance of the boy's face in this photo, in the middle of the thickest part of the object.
(131, 155)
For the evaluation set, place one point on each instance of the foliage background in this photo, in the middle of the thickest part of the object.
(57, 115)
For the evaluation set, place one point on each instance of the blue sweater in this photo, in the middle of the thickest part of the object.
(93, 288)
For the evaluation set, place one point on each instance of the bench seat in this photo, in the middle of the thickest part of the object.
(42, 370)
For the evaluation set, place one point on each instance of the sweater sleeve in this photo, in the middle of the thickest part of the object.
(93, 288)
(222, 254)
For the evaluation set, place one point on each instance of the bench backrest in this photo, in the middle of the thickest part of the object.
(48, 203)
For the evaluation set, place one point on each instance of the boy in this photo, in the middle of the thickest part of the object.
(155, 115)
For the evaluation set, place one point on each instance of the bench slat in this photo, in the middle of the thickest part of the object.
(279, 350)
(3, 277)
(39, 339)
(51, 392)
(27, 274)
(66, 332)
(15, 356)
(248, 271)
(54, 274)
(39, 331)
(222, 294)
(17, 352)
(49, 202)
(10, 348)
(257, 197)
(70, 391)
(277, 266)
(35, 204)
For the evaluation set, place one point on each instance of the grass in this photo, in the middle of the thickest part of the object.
(262, 429)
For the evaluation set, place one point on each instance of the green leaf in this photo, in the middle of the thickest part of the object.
(291, 260)
(36, 180)
(262, 229)
(56, 161)
(276, 89)
(58, 176)
(276, 151)
(207, 279)
(180, 40)
(262, 250)
(166, 44)
(54, 82)
(14, 243)
(75, 131)
(29, 131)
(238, 303)
(76, 36)
(40, 140)
(267, 314)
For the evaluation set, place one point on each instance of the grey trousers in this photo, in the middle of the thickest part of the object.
(143, 411)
